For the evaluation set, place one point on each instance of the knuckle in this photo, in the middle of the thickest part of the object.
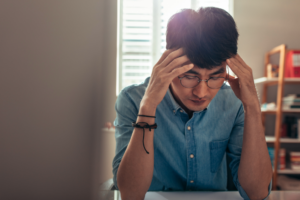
(166, 53)
(156, 66)
(160, 73)
(172, 56)
(175, 62)
(177, 71)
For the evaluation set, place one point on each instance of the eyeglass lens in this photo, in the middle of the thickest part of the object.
(190, 82)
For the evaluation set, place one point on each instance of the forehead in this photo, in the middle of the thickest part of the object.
(206, 72)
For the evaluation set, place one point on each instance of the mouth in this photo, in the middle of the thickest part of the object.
(197, 102)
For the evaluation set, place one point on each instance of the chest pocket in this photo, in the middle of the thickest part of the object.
(217, 153)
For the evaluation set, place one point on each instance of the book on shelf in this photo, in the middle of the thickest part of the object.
(291, 101)
(290, 127)
(295, 106)
(292, 97)
(298, 122)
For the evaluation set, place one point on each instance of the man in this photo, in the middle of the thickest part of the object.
(199, 118)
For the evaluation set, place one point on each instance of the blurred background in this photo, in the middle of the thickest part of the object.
(63, 63)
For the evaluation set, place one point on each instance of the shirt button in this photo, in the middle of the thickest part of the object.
(191, 181)
(191, 156)
(174, 111)
(189, 128)
(181, 110)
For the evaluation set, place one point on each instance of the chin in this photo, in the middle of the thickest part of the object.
(196, 108)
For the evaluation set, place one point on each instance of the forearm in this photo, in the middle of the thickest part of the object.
(135, 172)
(255, 169)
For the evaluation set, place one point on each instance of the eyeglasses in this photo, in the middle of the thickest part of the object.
(188, 81)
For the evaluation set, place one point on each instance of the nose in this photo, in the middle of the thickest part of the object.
(201, 90)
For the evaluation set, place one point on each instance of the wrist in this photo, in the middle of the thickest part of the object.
(146, 108)
(254, 108)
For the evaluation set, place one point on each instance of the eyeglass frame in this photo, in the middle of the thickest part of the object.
(206, 80)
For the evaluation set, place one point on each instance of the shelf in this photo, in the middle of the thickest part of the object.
(271, 139)
(275, 80)
(288, 171)
(273, 111)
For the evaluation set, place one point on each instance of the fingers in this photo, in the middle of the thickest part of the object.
(238, 57)
(231, 77)
(180, 70)
(170, 56)
(178, 62)
(238, 61)
(164, 55)
(234, 67)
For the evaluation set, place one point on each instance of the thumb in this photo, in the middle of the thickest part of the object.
(233, 81)
(231, 77)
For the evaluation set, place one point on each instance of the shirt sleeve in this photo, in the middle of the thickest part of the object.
(235, 149)
(126, 113)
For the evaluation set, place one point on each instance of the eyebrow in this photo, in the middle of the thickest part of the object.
(221, 70)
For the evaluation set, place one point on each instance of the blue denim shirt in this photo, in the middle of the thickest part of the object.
(189, 154)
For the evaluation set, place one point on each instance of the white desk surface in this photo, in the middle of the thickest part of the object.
(275, 195)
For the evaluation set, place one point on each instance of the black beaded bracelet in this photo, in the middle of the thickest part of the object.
(147, 116)
(144, 125)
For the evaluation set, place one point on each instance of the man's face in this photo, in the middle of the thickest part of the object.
(197, 98)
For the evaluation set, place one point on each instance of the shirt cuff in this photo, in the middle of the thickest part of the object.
(244, 194)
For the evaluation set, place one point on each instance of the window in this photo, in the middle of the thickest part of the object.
(142, 40)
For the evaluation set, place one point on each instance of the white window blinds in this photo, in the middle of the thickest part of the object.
(142, 39)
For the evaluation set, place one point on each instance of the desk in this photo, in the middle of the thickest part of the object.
(275, 195)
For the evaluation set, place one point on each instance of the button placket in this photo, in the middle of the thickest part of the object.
(192, 166)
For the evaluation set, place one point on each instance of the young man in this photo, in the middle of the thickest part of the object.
(199, 118)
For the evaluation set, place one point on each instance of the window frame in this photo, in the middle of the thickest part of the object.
(156, 37)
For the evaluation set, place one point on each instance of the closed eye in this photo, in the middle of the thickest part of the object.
(215, 78)
(190, 77)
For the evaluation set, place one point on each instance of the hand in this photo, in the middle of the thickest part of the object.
(108, 125)
(169, 66)
(243, 86)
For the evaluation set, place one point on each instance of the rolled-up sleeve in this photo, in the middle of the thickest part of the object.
(235, 150)
(126, 113)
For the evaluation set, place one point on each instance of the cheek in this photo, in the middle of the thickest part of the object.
(213, 93)
(176, 84)
(179, 90)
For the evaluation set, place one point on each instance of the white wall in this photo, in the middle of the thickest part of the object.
(262, 26)
(50, 59)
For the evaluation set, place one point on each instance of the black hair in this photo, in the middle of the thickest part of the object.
(208, 36)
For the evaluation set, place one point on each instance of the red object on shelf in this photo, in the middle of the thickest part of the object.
(283, 130)
(295, 160)
(282, 163)
(292, 64)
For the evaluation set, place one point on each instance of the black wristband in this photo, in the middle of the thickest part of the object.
(144, 125)
(147, 116)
